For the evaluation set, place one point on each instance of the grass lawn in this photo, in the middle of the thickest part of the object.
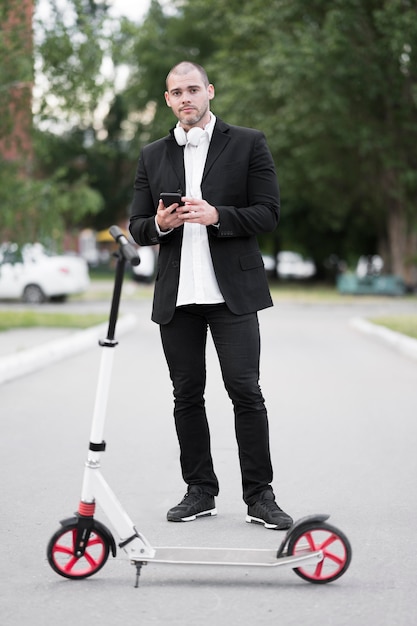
(405, 324)
(31, 318)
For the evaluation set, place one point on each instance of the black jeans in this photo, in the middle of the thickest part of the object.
(237, 342)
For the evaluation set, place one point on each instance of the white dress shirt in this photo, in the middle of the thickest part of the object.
(198, 283)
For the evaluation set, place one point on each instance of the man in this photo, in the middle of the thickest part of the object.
(210, 275)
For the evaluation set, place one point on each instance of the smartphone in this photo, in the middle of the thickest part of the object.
(171, 198)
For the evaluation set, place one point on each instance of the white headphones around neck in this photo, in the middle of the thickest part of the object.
(193, 136)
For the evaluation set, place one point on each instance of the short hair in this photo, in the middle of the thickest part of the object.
(188, 66)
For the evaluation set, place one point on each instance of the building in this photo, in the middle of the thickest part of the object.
(16, 83)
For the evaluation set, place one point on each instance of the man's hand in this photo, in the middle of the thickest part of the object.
(194, 211)
(197, 211)
(166, 217)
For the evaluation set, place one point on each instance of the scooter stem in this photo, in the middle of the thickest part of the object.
(117, 290)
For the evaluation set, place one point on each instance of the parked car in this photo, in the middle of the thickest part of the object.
(270, 265)
(145, 271)
(385, 285)
(293, 265)
(368, 279)
(369, 265)
(31, 274)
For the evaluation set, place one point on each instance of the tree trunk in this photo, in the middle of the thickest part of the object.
(411, 261)
(401, 241)
(397, 237)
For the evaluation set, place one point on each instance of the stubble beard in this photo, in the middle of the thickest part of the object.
(193, 121)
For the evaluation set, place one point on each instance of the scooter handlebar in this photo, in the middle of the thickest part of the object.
(126, 248)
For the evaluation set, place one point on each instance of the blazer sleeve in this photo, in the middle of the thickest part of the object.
(150, 179)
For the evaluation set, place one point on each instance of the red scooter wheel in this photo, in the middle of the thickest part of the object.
(63, 560)
(337, 552)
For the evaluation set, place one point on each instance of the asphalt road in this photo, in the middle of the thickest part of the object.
(342, 409)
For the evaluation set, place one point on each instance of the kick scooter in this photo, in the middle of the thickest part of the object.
(315, 550)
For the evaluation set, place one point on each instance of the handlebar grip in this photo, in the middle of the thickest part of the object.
(128, 251)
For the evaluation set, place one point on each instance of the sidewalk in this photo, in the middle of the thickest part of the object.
(26, 350)
(402, 343)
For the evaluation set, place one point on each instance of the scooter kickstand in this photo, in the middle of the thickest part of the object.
(138, 565)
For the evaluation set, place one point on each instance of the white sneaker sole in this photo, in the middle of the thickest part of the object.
(257, 520)
(191, 518)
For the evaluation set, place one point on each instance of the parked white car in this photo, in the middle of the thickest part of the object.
(369, 265)
(145, 271)
(33, 275)
(293, 265)
(269, 264)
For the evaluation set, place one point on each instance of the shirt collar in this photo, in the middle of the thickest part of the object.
(209, 128)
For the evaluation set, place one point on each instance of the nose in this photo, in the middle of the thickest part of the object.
(186, 98)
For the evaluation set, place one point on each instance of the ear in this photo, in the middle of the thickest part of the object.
(210, 91)
(166, 94)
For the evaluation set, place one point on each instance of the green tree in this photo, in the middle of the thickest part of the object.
(333, 86)
(42, 209)
(150, 50)
(78, 59)
(70, 46)
(106, 164)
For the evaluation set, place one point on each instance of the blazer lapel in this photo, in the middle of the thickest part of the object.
(219, 141)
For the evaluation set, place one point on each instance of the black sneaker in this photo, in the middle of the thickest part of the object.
(267, 512)
(196, 503)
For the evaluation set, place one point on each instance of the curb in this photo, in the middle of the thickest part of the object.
(27, 361)
(402, 343)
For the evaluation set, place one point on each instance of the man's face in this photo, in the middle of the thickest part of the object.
(189, 99)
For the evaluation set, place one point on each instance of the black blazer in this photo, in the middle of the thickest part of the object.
(239, 179)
